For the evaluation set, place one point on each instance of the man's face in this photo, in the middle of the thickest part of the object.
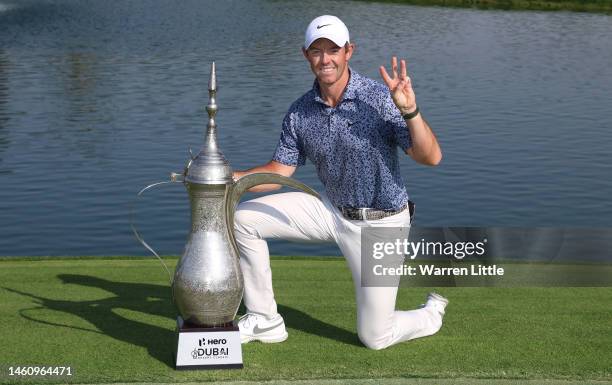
(328, 61)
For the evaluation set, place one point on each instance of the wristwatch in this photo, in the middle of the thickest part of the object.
(411, 115)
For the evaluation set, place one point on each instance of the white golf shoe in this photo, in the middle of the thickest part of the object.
(256, 327)
(437, 302)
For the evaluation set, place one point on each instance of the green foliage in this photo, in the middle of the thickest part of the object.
(599, 6)
(112, 320)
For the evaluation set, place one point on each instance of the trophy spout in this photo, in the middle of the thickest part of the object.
(249, 181)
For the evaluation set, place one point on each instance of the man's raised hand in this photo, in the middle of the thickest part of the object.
(400, 87)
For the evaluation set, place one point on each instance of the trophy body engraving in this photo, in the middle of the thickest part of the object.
(207, 285)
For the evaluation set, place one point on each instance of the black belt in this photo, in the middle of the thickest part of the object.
(360, 214)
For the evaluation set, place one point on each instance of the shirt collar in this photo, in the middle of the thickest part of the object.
(350, 92)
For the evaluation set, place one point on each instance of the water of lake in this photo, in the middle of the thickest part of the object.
(100, 98)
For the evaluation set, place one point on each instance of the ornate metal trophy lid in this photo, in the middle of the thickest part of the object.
(210, 166)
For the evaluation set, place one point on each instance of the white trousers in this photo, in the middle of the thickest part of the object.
(302, 217)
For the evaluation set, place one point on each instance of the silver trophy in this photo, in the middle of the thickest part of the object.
(207, 284)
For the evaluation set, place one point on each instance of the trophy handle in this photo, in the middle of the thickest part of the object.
(174, 178)
(235, 191)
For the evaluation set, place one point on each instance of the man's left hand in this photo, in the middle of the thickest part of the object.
(400, 87)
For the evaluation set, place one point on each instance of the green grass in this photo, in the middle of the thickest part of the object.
(112, 321)
(599, 6)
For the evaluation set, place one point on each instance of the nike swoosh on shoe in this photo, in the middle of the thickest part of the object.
(257, 330)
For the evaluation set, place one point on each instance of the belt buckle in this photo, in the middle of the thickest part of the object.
(364, 214)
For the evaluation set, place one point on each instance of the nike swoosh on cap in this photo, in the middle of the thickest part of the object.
(256, 329)
(321, 26)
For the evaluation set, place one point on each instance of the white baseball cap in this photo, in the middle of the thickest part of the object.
(328, 27)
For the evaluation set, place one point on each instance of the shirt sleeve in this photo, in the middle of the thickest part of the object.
(288, 151)
(397, 124)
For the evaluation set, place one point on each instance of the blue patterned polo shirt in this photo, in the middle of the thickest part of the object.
(353, 145)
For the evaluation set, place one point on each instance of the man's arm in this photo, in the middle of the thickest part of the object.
(425, 148)
(271, 167)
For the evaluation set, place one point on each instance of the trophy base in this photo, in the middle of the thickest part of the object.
(201, 347)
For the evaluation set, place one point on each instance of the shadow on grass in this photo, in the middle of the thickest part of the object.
(299, 320)
(149, 299)
(102, 313)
